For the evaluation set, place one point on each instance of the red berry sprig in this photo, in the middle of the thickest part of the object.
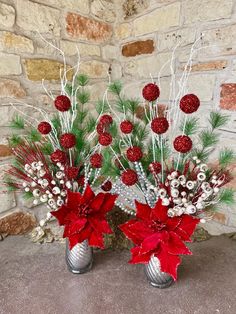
(189, 103)
(126, 127)
(159, 125)
(105, 139)
(44, 128)
(96, 160)
(129, 177)
(62, 103)
(68, 140)
(183, 144)
(134, 154)
(106, 119)
(151, 92)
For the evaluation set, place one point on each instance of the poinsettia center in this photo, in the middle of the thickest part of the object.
(157, 225)
(84, 210)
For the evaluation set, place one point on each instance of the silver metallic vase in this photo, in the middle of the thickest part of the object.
(155, 276)
(79, 260)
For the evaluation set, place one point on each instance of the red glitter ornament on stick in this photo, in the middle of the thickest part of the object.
(44, 128)
(62, 103)
(96, 160)
(134, 153)
(189, 103)
(105, 139)
(183, 144)
(159, 125)
(126, 127)
(129, 177)
(68, 140)
(151, 92)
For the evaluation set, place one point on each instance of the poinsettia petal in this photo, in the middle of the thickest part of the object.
(73, 240)
(187, 226)
(150, 243)
(61, 214)
(97, 202)
(173, 223)
(83, 235)
(136, 230)
(176, 246)
(99, 225)
(169, 263)
(76, 226)
(88, 195)
(109, 202)
(139, 259)
(159, 212)
(73, 200)
(96, 240)
(143, 211)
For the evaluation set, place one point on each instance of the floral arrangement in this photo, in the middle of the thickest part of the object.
(60, 163)
(162, 155)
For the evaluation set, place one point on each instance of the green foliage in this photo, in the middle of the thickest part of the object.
(113, 130)
(82, 79)
(108, 168)
(15, 140)
(133, 105)
(227, 196)
(34, 136)
(217, 119)
(190, 127)
(115, 88)
(17, 123)
(208, 138)
(122, 105)
(102, 106)
(27, 195)
(81, 115)
(165, 152)
(201, 154)
(226, 157)
(68, 89)
(83, 97)
(91, 125)
(56, 122)
(47, 148)
(11, 187)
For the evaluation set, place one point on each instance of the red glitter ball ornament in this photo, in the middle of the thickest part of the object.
(58, 156)
(81, 180)
(126, 127)
(107, 186)
(155, 167)
(151, 92)
(189, 103)
(134, 153)
(159, 125)
(44, 127)
(96, 160)
(68, 140)
(183, 144)
(105, 139)
(62, 103)
(129, 177)
(72, 173)
(100, 128)
(106, 119)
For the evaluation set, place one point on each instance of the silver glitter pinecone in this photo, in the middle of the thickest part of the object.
(155, 276)
(79, 260)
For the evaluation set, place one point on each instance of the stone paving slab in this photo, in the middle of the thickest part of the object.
(34, 279)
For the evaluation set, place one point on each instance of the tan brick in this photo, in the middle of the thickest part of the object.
(110, 52)
(32, 16)
(123, 30)
(10, 64)
(38, 69)
(94, 69)
(160, 19)
(182, 37)
(75, 5)
(228, 96)
(7, 15)
(142, 68)
(206, 10)
(11, 42)
(89, 29)
(70, 49)
(138, 48)
(17, 223)
(209, 66)
(11, 88)
(202, 85)
(104, 10)
(133, 7)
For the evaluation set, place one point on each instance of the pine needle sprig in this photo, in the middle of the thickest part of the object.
(47, 149)
(133, 105)
(91, 125)
(189, 127)
(83, 97)
(17, 123)
(102, 106)
(226, 157)
(115, 88)
(34, 136)
(227, 196)
(217, 119)
(82, 79)
(15, 140)
(208, 138)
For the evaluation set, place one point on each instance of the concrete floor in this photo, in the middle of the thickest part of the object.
(34, 279)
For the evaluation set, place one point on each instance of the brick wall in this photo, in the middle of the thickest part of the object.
(135, 37)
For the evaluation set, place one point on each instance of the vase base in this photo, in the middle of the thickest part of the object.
(80, 271)
(161, 285)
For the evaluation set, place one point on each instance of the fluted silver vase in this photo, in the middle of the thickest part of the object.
(79, 260)
(155, 276)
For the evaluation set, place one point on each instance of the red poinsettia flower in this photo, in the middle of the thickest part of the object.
(154, 233)
(84, 217)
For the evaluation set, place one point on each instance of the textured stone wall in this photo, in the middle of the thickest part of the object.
(133, 38)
